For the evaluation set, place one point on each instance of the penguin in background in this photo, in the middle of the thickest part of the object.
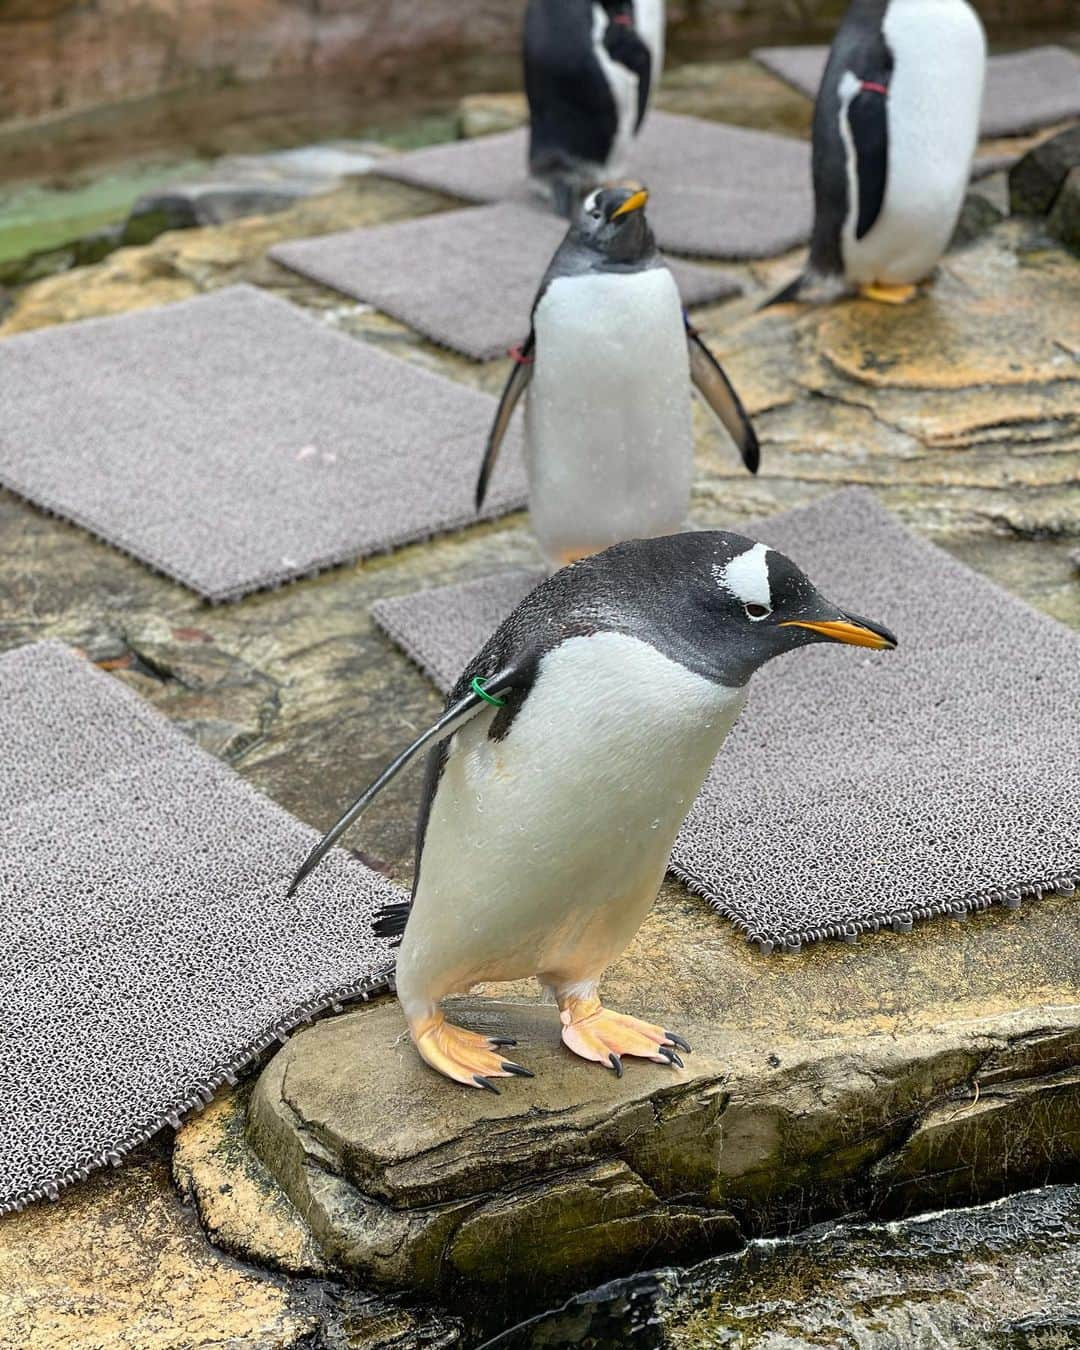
(895, 128)
(568, 755)
(590, 66)
(607, 372)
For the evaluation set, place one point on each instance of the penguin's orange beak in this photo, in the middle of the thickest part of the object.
(855, 632)
(634, 203)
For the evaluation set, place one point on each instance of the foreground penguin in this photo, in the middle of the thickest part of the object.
(567, 758)
(589, 69)
(608, 365)
(895, 128)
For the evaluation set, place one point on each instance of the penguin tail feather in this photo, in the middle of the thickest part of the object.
(786, 293)
(390, 921)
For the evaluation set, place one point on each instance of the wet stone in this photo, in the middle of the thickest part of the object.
(1037, 179)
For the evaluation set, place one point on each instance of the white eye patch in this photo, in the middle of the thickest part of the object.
(746, 577)
(591, 200)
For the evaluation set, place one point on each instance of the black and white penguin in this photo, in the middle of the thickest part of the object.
(895, 128)
(567, 758)
(589, 68)
(608, 369)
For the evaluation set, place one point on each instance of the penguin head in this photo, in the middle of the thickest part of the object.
(722, 604)
(756, 603)
(611, 222)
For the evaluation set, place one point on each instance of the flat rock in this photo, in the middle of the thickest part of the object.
(410, 1181)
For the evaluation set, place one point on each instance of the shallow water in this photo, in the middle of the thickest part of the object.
(1005, 1276)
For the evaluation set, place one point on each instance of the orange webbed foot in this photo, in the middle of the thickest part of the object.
(464, 1056)
(888, 295)
(593, 1032)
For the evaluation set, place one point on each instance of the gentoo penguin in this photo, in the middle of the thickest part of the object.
(895, 127)
(608, 365)
(569, 753)
(589, 69)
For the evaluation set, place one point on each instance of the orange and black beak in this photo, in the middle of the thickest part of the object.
(847, 628)
(635, 202)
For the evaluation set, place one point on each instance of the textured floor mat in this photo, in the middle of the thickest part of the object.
(860, 790)
(1024, 90)
(149, 951)
(716, 191)
(465, 279)
(234, 442)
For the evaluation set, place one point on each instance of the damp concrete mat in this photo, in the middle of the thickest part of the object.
(1024, 90)
(861, 789)
(149, 951)
(717, 191)
(466, 279)
(233, 442)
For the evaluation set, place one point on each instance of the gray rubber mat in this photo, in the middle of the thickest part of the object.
(861, 789)
(717, 191)
(1024, 90)
(233, 442)
(465, 279)
(149, 951)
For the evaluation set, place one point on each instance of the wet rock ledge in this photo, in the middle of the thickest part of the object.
(570, 1178)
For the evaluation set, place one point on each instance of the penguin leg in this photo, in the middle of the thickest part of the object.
(594, 1032)
(464, 1056)
(888, 295)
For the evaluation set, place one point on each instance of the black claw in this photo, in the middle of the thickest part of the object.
(483, 1082)
(678, 1040)
(518, 1069)
(670, 1056)
(501, 1040)
(616, 1064)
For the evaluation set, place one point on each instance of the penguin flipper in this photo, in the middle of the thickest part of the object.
(515, 386)
(460, 712)
(715, 388)
(868, 119)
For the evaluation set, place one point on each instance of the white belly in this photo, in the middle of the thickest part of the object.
(650, 20)
(608, 431)
(624, 88)
(935, 97)
(544, 851)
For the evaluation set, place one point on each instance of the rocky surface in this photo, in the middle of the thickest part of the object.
(120, 1264)
(1003, 1277)
(962, 412)
(1036, 179)
(577, 1174)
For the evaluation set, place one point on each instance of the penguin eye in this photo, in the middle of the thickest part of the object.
(755, 612)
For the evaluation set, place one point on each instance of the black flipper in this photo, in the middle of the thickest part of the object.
(515, 386)
(868, 118)
(625, 44)
(464, 708)
(715, 388)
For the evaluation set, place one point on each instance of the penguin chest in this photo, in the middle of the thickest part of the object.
(608, 430)
(544, 850)
(934, 101)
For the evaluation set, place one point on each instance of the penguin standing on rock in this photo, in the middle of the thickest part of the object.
(567, 758)
(608, 367)
(895, 128)
(589, 68)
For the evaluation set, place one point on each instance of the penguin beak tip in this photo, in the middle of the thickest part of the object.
(849, 629)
